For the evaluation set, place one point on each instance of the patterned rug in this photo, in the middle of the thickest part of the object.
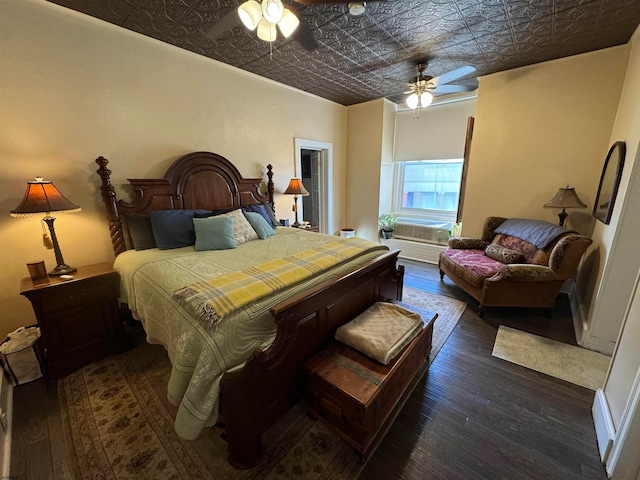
(118, 423)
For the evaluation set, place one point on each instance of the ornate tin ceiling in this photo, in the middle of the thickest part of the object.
(357, 58)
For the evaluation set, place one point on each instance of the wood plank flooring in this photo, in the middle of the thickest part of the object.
(472, 417)
(478, 417)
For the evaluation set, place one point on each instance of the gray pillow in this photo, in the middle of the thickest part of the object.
(214, 233)
(504, 255)
(140, 231)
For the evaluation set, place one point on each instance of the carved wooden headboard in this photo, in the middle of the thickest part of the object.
(201, 180)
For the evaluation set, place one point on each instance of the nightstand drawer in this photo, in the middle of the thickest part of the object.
(69, 298)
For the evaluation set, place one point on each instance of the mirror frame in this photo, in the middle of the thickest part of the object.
(609, 182)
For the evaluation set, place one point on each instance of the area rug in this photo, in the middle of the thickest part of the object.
(567, 362)
(118, 424)
(449, 311)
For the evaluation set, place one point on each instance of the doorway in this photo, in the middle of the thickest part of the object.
(313, 166)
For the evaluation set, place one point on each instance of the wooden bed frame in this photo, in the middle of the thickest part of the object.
(255, 397)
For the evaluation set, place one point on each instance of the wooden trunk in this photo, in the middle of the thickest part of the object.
(356, 396)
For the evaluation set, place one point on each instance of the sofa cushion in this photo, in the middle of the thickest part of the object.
(503, 255)
(473, 266)
(530, 252)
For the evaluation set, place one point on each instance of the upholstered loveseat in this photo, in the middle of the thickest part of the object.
(517, 262)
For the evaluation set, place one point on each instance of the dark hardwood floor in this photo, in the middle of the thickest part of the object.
(473, 416)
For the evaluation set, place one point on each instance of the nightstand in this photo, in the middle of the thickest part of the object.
(312, 228)
(79, 318)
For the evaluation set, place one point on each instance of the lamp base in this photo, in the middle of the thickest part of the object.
(562, 216)
(62, 270)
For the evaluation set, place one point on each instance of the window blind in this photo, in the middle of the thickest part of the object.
(439, 133)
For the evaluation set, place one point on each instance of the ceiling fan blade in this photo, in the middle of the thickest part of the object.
(442, 89)
(451, 76)
(324, 2)
(224, 26)
(398, 82)
(303, 34)
(305, 38)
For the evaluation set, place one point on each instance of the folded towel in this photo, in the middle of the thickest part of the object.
(381, 332)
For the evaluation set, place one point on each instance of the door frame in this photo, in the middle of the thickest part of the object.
(325, 187)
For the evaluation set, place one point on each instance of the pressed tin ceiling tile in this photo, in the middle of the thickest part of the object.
(357, 59)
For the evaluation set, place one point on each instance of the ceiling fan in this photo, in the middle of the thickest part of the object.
(423, 87)
(252, 14)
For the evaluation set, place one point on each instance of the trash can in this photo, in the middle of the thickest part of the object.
(347, 232)
(20, 355)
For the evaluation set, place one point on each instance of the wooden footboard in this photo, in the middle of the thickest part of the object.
(271, 382)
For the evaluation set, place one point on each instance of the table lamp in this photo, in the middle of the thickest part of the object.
(43, 197)
(296, 188)
(566, 197)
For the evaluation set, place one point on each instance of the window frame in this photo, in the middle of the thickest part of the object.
(418, 213)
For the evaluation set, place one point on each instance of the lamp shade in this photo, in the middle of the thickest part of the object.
(566, 197)
(296, 188)
(289, 23)
(425, 99)
(412, 101)
(267, 30)
(250, 13)
(43, 197)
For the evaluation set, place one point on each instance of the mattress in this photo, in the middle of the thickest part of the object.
(199, 358)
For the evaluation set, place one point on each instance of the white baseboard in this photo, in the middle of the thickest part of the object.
(585, 337)
(419, 251)
(6, 395)
(605, 431)
(577, 312)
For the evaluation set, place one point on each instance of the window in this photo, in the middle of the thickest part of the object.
(428, 189)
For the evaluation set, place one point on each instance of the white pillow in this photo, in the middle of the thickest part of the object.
(242, 229)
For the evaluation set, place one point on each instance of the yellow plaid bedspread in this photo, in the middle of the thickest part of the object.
(211, 300)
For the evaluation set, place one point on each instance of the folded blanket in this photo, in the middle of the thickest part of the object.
(381, 331)
(536, 232)
(211, 300)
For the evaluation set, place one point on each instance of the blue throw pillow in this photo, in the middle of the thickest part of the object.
(271, 213)
(259, 224)
(261, 209)
(213, 213)
(173, 228)
(214, 233)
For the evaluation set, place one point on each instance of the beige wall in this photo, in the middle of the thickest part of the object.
(619, 259)
(622, 267)
(615, 310)
(538, 128)
(370, 130)
(73, 88)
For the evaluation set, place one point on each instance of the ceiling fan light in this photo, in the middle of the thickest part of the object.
(250, 14)
(425, 99)
(267, 30)
(412, 101)
(272, 10)
(289, 23)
